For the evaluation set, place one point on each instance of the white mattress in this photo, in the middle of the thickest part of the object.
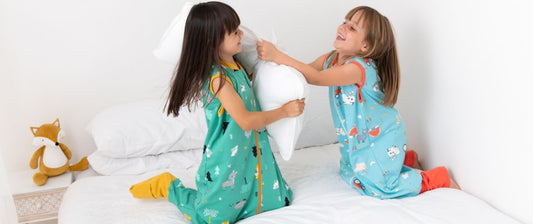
(320, 196)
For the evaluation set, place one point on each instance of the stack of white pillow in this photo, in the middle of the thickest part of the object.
(134, 138)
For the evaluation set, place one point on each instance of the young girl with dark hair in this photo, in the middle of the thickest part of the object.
(238, 176)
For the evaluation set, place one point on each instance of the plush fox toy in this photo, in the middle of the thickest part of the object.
(54, 155)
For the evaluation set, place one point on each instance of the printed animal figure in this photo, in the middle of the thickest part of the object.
(348, 99)
(393, 151)
(52, 157)
(340, 131)
(231, 180)
(362, 137)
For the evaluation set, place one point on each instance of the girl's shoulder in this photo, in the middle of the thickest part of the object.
(331, 58)
(362, 61)
(217, 72)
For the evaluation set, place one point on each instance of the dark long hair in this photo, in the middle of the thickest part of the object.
(383, 51)
(205, 28)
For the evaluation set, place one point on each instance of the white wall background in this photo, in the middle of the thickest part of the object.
(465, 90)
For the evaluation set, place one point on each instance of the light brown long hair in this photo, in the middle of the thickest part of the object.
(205, 28)
(380, 38)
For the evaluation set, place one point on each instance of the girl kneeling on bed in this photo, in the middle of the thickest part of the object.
(238, 176)
(363, 76)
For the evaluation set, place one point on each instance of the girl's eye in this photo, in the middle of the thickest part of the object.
(352, 29)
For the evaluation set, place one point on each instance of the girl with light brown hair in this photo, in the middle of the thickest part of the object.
(363, 76)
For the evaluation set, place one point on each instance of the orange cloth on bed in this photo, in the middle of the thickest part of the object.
(435, 178)
(410, 158)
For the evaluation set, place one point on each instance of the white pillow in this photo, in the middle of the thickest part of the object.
(143, 128)
(275, 85)
(137, 165)
(248, 55)
(169, 48)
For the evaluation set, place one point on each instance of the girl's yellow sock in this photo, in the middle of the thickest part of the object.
(155, 187)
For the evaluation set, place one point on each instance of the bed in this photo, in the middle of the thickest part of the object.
(135, 141)
(320, 196)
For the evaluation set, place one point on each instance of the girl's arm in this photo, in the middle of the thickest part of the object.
(337, 76)
(318, 62)
(232, 102)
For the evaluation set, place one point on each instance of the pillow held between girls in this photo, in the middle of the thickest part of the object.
(275, 85)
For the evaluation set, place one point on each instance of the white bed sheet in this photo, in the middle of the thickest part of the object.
(320, 196)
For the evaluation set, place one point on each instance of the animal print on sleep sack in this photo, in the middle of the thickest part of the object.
(238, 175)
(371, 135)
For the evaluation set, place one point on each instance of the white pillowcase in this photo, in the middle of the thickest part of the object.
(248, 55)
(275, 85)
(105, 165)
(169, 48)
(143, 128)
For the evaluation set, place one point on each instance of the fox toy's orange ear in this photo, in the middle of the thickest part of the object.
(34, 130)
(56, 123)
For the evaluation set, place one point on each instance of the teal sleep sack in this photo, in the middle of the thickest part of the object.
(372, 138)
(237, 178)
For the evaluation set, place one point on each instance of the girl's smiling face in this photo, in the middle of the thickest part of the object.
(351, 36)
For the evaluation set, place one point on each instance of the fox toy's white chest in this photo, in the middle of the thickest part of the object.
(53, 157)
